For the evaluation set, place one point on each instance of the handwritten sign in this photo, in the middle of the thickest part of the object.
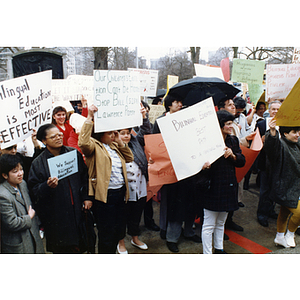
(72, 88)
(255, 92)
(280, 80)
(148, 81)
(206, 71)
(192, 137)
(248, 71)
(155, 112)
(117, 97)
(296, 55)
(289, 111)
(25, 104)
(63, 165)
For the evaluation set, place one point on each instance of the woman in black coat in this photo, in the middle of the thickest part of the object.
(59, 203)
(222, 194)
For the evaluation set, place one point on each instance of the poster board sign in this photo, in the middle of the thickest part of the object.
(161, 170)
(206, 71)
(25, 104)
(148, 81)
(289, 111)
(225, 66)
(64, 165)
(196, 132)
(250, 156)
(296, 55)
(247, 71)
(255, 92)
(117, 97)
(155, 112)
(73, 88)
(280, 80)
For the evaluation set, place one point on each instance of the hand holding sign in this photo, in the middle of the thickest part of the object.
(52, 182)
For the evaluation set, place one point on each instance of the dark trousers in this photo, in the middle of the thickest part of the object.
(265, 204)
(110, 220)
(134, 211)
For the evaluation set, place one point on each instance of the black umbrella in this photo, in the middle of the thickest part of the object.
(194, 90)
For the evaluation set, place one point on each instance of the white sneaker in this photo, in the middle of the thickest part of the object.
(290, 239)
(281, 241)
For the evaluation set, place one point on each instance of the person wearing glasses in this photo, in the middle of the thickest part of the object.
(59, 203)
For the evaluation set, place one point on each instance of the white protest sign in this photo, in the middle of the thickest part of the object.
(192, 137)
(296, 55)
(280, 80)
(72, 88)
(148, 81)
(117, 97)
(206, 71)
(25, 104)
(63, 165)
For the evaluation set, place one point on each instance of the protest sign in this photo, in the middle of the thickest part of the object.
(73, 88)
(250, 156)
(296, 55)
(255, 92)
(192, 137)
(289, 111)
(280, 80)
(247, 71)
(25, 104)
(155, 112)
(161, 170)
(117, 97)
(63, 165)
(206, 71)
(148, 81)
(224, 64)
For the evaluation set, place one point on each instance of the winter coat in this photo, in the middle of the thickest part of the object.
(19, 233)
(60, 208)
(137, 144)
(222, 193)
(283, 161)
(99, 162)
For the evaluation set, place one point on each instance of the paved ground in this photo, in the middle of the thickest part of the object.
(254, 238)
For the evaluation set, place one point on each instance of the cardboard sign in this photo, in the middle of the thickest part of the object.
(148, 81)
(161, 170)
(224, 64)
(155, 112)
(25, 104)
(192, 137)
(280, 80)
(117, 97)
(250, 156)
(255, 92)
(73, 88)
(247, 71)
(296, 55)
(63, 165)
(205, 71)
(289, 111)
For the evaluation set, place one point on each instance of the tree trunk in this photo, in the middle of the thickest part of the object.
(195, 54)
(101, 58)
(235, 52)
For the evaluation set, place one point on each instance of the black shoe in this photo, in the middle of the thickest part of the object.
(246, 185)
(172, 247)
(163, 234)
(241, 204)
(152, 226)
(263, 221)
(195, 238)
(220, 251)
(233, 226)
(226, 237)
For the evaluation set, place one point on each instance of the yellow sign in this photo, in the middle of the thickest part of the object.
(289, 112)
(171, 80)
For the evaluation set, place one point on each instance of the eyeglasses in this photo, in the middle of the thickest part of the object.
(58, 135)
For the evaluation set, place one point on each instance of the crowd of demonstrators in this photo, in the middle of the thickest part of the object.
(109, 190)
